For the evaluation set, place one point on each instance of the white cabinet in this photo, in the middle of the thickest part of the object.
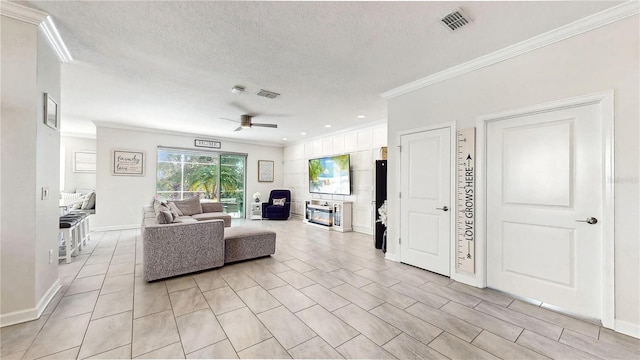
(329, 214)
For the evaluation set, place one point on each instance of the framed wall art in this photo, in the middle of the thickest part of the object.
(128, 163)
(265, 171)
(50, 112)
(84, 161)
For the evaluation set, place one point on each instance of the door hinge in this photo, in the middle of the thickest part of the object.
(399, 195)
(399, 240)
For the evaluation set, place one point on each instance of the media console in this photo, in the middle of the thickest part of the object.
(328, 214)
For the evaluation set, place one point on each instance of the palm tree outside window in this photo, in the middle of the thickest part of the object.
(208, 175)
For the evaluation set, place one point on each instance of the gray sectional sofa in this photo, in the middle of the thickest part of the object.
(195, 243)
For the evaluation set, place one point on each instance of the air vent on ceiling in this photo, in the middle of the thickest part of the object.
(455, 20)
(268, 94)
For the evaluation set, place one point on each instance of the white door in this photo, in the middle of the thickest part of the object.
(544, 179)
(425, 209)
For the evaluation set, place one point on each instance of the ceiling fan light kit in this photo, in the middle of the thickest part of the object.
(245, 121)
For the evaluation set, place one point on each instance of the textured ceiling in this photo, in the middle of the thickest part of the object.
(171, 65)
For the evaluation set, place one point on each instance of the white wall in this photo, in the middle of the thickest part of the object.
(47, 170)
(30, 161)
(73, 180)
(122, 197)
(599, 60)
(363, 145)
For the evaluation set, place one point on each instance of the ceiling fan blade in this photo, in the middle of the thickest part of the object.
(238, 129)
(235, 121)
(265, 125)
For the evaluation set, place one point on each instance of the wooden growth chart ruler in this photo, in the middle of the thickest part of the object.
(466, 197)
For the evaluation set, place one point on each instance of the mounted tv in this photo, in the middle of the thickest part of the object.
(330, 175)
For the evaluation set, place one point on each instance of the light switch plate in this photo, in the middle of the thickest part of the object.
(45, 193)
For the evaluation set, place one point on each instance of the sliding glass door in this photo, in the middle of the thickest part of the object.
(208, 175)
(232, 183)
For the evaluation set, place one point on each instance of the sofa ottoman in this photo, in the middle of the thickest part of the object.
(243, 243)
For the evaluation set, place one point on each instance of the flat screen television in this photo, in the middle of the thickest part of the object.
(330, 175)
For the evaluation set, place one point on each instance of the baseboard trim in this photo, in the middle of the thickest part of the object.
(48, 296)
(34, 313)
(116, 227)
(627, 328)
(391, 256)
(363, 230)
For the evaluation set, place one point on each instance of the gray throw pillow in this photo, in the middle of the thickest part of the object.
(164, 217)
(163, 214)
(279, 202)
(190, 206)
(174, 210)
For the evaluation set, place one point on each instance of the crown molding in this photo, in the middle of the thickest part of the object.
(605, 17)
(43, 21)
(22, 13)
(369, 124)
(55, 40)
(111, 125)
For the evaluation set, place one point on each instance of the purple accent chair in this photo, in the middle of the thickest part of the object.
(276, 212)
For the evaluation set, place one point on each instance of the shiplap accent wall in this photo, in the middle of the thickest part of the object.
(363, 145)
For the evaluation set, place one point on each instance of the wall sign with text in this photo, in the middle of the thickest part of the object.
(212, 144)
(466, 195)
(128, 163)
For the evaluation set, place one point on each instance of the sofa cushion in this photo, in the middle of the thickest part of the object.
(174, 210)
(275, 209)
(185, 219)
(214, 216)
(245, 242)
(279, 202)
(189, 206)
(212, 207)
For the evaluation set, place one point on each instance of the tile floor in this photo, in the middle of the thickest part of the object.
(322, 295)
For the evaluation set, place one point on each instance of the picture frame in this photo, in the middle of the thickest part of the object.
(84, 161)
(265, 171)
(50, 112)
(128, 163)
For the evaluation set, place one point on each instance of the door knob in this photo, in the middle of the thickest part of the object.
(444, 208)
(589, 220)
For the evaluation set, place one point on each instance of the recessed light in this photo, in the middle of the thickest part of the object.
(361, 116)
(237, 89)
(327, 126)
(285, 139)
(303, 133)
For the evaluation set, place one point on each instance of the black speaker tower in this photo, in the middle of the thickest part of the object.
(381, 196)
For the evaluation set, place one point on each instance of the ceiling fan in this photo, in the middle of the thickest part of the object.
(246, 123)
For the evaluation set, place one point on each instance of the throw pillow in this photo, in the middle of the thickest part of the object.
(279, 202)
(174, 210)
(164, 217)
(89, 202)
(163, 214)
(190, 206)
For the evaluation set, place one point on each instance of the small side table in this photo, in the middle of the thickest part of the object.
(256, 211)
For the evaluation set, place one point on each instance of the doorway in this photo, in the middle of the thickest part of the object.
(426, 206)
(548, 206)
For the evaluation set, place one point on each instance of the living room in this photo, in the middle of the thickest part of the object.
(595, 59)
